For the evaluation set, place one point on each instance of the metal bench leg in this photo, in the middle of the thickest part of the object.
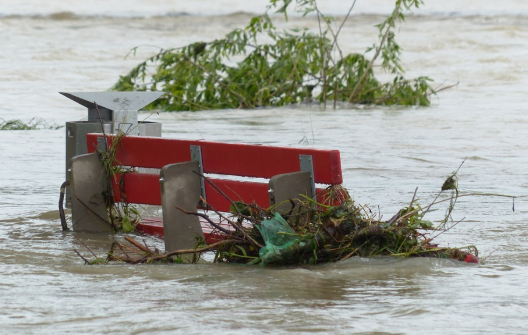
(180, 187)
(288, 186)
(87, 186)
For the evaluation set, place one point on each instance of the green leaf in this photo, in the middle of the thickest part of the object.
(126, 225)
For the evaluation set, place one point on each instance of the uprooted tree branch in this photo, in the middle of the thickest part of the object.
(294, 66)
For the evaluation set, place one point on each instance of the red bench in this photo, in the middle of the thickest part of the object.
(183, 163)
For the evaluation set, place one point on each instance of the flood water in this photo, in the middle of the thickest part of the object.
(386, 152)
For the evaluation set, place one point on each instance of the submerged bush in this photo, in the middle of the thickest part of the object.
(295, 66)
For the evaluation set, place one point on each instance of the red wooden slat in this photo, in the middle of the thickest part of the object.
(151, 226)
(247, 192)
(225, 158)
(154, 226)
(142, 188)
(138, 188)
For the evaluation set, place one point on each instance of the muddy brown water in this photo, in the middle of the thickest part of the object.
(386, 153)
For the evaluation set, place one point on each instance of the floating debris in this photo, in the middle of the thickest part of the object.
(310, 232)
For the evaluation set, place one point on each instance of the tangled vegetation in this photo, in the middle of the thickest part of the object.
(309, 232)
(289, 67)
(122, 216)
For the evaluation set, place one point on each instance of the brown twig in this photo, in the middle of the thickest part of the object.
(446, 229)
(152, 258)
(353, 252)
(443, 88)
(412, 200)
(90, 250)
(359, 84)
(79, 254)
(110, 255)
(193, 251)
(219, 191)
(236, 226)
(396, 218)
(240, 229)
(341, 26)
(122, 248)
(204, 216)
(138, 245)
(483, 260)
(91, 210)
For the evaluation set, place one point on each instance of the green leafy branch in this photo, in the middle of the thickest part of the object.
(292, 66)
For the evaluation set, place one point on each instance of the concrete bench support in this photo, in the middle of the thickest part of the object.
(88, 184)
(180, 187)
(288, 186)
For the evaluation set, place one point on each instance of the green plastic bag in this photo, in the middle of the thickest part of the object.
(282, 242)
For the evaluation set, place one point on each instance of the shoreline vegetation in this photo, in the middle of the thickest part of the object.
(292, 66)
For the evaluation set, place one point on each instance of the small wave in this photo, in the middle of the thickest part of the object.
(63, 16)
(476, 158)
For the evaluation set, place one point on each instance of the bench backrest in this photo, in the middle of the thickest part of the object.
(218, 158)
